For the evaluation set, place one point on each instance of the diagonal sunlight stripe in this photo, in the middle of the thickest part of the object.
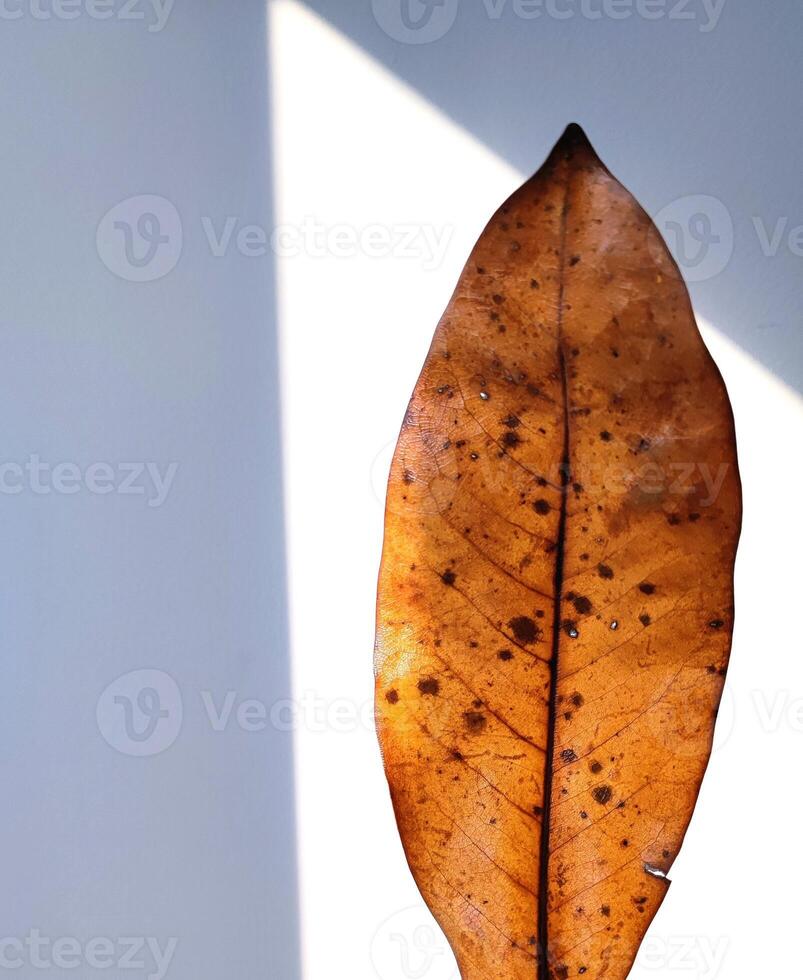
(379, 198)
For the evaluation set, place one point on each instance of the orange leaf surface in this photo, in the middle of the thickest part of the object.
(555, 600)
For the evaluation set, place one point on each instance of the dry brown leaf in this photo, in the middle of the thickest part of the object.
(555, 600)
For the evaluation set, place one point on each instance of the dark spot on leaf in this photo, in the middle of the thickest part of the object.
(511, 439)
(602, 794)
(542, 507)
(716, 624)
(605, 435)
(577, 700)
(524, 629)
(505, 655)
(448, 577)
(647, 588)
(605, 571)
(511, 422)
(475, 720)
(582, 604)
(595, 767)
(392, 697)
(568, 755)
(429, 686)
(645, 619)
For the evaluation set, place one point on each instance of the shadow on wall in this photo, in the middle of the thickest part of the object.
(693, 104)
(143, 597)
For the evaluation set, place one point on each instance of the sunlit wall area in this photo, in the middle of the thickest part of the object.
(380, 196)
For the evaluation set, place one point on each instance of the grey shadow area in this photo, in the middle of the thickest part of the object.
(684, 100)
(149, 813)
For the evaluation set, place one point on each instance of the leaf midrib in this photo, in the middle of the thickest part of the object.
(543, 870)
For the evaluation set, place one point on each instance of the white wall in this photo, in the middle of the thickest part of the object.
(384, 161)
(359, 148)
(193, 840)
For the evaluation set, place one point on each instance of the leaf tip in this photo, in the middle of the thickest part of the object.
(574, 145)
(573, 136)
